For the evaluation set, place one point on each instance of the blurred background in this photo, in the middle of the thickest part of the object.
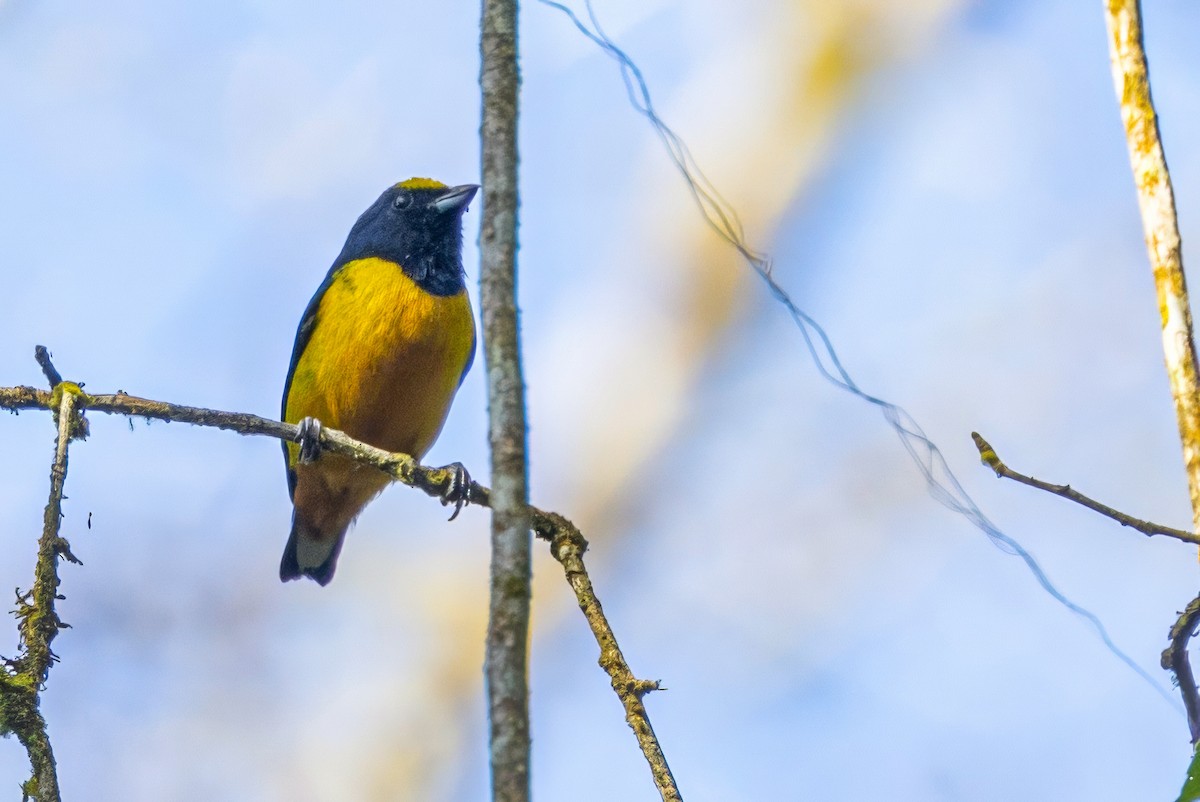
(942, 183)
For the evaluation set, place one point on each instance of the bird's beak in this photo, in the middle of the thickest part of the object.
(455, 199)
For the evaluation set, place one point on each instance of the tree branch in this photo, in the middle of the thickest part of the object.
(401, 467)
(42, 354)
(508, 613)
(1175, 659)
(23, 677)
(567, 543)
(988, 455)
(1156, 199)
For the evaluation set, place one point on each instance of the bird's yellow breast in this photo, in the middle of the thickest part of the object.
(384, 359)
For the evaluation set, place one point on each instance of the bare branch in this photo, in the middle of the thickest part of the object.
(567, 543)
(988, 455)
(508, 614)
(1175, 659)
(42, 355)
(402, 467)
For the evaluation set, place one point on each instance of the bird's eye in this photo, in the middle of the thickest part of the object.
(402, 201)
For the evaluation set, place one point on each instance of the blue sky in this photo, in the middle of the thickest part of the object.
(177, 179)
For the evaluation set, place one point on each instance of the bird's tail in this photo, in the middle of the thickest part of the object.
(310, 552)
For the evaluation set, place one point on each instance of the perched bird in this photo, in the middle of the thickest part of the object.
(380, 352)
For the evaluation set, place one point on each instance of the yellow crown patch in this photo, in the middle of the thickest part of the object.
(420, 183)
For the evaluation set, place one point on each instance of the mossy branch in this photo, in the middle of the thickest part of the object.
(23, 677)
(566, 541)
(1156, 199)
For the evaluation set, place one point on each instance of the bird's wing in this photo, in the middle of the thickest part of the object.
(470, 356)
(303, 334)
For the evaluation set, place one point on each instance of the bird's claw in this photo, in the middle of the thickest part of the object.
(310, 440)
(459, 491)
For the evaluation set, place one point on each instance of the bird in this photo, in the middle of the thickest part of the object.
(380, 352)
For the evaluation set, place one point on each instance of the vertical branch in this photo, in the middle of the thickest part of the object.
(39, 623)
(508, 621)
(1156, 199)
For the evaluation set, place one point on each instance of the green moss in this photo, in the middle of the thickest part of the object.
(74, 389)
(79, 424)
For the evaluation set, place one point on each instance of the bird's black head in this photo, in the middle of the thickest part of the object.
(418, 225)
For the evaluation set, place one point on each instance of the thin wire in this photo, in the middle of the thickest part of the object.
(941, 482)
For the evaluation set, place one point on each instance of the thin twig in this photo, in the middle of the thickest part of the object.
(990, 459)
(435, 482)
(508, 614)
(1175, 659)
(568, 545)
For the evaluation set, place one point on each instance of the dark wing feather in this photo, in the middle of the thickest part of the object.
(303, 334)
(470, 357)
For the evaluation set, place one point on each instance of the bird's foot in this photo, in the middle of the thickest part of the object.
(310, 440)
(459, 491)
